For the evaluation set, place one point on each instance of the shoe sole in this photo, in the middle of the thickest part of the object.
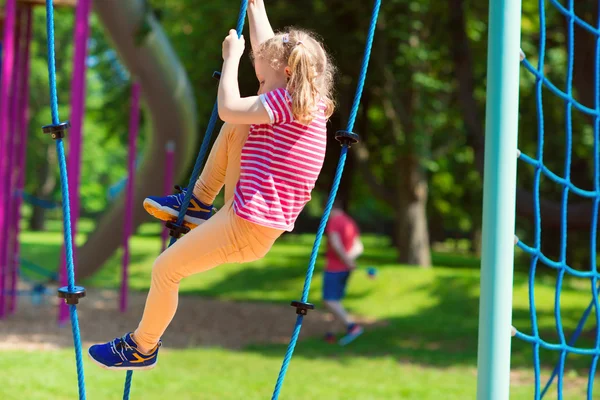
(168, 214)
(142, 368)
(350, 338)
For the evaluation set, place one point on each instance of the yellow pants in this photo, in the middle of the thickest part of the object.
(224, 238)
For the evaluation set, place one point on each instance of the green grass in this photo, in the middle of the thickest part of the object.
(427, 350)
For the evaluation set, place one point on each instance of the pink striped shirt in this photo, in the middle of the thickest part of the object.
(280, 164)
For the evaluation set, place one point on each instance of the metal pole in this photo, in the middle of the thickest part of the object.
(499, 187)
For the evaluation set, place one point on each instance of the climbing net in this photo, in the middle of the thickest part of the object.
(71, 293)
(565, 346)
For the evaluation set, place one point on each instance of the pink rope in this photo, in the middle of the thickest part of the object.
(6, 88)
(78, 86)
(134, 125)
(169, 165)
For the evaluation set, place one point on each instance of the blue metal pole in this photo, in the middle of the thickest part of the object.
(499, 187)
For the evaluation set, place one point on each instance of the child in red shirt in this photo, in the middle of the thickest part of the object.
(343, 248)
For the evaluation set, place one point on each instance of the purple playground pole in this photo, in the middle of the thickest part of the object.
(78, 86)
(22, 121)
(12, 145)
(8, 46)
(169, 161)
(134, 125)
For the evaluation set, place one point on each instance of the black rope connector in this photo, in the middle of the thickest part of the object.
(301, 307)
(176, 230)
(56, 131)
(71, 297)
(217, 75)
(347, 138)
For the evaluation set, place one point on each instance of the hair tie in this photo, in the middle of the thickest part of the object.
(286, 38)
(299, 42)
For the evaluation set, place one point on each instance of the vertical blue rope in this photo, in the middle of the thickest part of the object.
(127, 391)
(536, 201)
(197, 167)
(207, 135)
(336, 183)
(60, 149)
(594, 224)
(565, 199)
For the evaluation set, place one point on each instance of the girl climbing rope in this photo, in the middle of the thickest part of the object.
(268, 156)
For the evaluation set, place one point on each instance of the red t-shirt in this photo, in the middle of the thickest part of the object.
(347, 230)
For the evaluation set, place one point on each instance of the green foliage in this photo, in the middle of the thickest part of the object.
(410, 104)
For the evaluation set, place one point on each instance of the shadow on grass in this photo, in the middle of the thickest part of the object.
(443, 335)
(282, 277)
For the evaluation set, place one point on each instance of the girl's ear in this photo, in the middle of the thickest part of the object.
(288, 72)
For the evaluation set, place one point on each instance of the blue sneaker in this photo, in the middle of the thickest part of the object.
(167, 208)
(354, 331)
(122, 354)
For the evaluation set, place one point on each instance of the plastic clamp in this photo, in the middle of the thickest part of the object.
(56, 131)
(176, 230)
(347, 138)
(301, 307)
(71, 297)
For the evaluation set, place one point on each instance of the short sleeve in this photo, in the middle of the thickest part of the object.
(333, 225)
(351, 231)
(278, 105)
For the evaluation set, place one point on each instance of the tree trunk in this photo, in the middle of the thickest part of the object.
(412, 239)
(47, 180)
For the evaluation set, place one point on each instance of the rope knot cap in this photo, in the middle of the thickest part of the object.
(176, 230)
(57, 131)
(71, 297)
(302, 307)
(347, 138)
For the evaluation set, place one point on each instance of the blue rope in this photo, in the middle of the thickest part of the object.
(207, 135)
(37, 202)
(127, 391)
(563, 347)
(197, 168)
(331, 199)
(60, 149)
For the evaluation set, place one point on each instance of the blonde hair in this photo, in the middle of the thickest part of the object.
(312, 72)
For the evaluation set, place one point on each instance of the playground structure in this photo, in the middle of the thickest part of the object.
(159, 77)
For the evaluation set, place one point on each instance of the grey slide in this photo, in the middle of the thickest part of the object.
(168, 97)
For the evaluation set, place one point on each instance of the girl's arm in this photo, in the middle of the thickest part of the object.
(233, 108)
(260, 28)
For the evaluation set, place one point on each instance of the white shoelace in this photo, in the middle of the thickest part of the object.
(179, 196)
(120, 342)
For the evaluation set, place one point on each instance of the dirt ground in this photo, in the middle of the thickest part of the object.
(198, 322)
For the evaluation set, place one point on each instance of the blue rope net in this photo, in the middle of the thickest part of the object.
(541, 171)
(64, 185)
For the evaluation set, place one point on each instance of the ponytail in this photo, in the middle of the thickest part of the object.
(310, 78)
(305, 95)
